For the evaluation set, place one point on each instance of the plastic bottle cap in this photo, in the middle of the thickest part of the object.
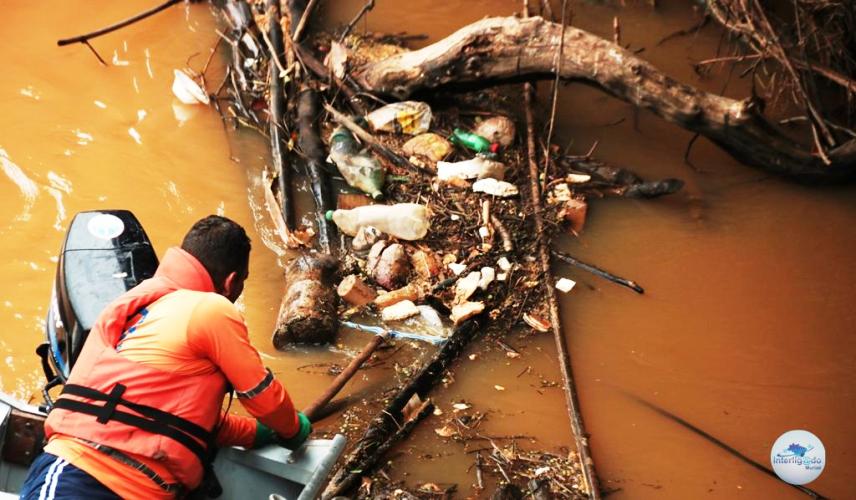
(328, 215)
(494, 147)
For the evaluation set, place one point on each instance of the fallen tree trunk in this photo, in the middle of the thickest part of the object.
(506, 48)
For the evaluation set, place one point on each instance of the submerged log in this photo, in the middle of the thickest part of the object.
(307, 313)
(382, 429)
(508, 48)
(277, 112)
(310, 144)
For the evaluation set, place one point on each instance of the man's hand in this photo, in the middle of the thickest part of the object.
(298, 439)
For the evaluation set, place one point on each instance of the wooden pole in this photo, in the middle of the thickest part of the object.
(316, 408)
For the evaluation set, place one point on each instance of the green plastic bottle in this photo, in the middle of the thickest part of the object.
(472, 141)
(359, 168)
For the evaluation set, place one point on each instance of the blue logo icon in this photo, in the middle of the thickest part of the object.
(798, 457)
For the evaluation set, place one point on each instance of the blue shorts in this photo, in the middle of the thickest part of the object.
(51, 477)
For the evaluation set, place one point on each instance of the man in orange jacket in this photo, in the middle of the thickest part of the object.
(140, 415)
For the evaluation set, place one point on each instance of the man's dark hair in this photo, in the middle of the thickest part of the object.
(221, 245)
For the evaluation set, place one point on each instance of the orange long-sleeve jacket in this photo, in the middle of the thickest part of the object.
(190, 331)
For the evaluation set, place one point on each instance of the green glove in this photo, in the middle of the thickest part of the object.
(298, 439)
(264, 436)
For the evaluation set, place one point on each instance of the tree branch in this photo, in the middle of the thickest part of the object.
(505, 48)
(113, 27)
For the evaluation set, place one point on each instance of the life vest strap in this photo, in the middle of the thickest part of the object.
(152, 420)
(114, 398)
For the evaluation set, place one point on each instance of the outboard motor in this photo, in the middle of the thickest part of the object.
(105, 253)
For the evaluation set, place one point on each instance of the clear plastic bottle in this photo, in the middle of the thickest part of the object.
(407, 221)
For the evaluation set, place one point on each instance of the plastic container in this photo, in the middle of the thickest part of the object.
(429, 145)
(499, 129)
(406, 221)
(359, 168)
(476, 168)
(406, 117)
(472, 141)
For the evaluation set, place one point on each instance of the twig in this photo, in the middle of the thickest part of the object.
(555, 97)
(369, 5)
(687, 31)
(479, 480)
(688, 150)
(86, 42)
(273, 53)
(507, 242)
(598, 272)
(113, 27)
(301, 25)
(211, 56)
(616, 31)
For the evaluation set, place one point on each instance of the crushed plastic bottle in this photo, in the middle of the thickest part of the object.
(476, 168)
(406, 221)
(429, 145)
(359, 168)
(406, 117)
(472, 141)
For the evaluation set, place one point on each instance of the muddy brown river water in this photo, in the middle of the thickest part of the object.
(746, 328)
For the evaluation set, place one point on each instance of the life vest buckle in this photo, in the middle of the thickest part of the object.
(113, 399)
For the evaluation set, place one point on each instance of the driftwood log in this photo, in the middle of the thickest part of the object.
(509, 48)
(307, 313)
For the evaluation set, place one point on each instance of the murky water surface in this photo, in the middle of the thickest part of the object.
(745, 330)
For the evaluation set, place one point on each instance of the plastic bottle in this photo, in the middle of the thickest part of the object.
(475, 168)
(359, 168)
(407, 221)
(472, 141)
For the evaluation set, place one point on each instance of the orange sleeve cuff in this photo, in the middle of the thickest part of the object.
(237, 431)
(273, 407)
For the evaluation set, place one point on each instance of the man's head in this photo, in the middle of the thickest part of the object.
(223, 248)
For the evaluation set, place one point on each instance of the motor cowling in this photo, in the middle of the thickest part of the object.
(105, 253)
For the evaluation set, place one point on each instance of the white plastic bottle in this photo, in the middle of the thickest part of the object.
(476, 168)
(407, 221)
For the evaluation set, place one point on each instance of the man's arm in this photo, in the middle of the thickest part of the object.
(218, 332)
